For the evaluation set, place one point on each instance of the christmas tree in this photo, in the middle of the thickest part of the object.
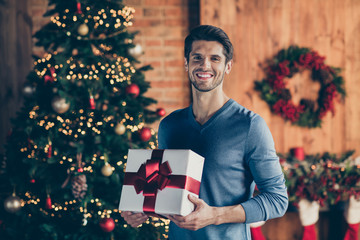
(84, 108)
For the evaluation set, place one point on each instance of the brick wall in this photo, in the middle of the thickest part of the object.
(162, 26)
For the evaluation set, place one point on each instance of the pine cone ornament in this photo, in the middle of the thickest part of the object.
(79, 186)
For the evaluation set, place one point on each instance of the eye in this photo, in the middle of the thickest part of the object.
(197, 57)
(216, 59)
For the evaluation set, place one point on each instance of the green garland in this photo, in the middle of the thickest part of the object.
(286, 64)
(326, 178)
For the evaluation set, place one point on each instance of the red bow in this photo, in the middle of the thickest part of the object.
(152, 176)
(50, 78)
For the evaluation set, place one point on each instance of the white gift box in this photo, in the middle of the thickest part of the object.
(183, 164)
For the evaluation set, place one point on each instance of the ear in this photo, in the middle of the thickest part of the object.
(228, 66)
(186, 65)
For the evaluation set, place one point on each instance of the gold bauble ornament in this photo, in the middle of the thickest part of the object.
(12, 204)
(60, 105)
(107, 170)
(83, 29)
(120, 129)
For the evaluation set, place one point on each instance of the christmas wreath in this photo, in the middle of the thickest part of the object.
(283, 66)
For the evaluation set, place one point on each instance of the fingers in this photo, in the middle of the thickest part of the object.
(134, 219)
(184, 222)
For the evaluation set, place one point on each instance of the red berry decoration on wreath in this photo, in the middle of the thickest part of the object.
(107, 224)
(287, 63)
(133, 89)
(145, 134)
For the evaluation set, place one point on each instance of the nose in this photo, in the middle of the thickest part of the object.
(206, 63)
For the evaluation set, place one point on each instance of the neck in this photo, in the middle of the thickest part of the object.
(206, 104)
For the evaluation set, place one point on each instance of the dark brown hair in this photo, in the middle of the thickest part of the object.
(209, 33)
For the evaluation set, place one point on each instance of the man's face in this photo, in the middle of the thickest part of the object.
(206, 66)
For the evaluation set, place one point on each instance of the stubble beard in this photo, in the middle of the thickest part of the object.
(214, 85)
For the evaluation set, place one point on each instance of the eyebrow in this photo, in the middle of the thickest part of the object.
(199, 54)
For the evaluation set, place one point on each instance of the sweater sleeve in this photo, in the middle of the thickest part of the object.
(161, 135)
(265, 168)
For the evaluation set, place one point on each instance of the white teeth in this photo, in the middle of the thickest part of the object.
(204, 75)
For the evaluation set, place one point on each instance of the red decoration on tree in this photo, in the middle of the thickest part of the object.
(133, 89)
(145, 134)
(92, 102)
(50, 78)
(78, 8)
(161, 112)
(49, 152)
(48, 204)
(80, 170)
(298, 152)
(32, 180)
(107, 224)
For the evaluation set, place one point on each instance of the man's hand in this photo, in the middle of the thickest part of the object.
(134, 219)
(202, 216)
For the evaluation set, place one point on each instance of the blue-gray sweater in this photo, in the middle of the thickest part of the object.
(238, 149)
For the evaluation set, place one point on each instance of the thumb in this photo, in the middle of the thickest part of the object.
(194, 200)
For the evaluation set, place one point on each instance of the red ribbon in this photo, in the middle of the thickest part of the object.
(153, 176)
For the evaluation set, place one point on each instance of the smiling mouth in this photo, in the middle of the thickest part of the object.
(204, 76)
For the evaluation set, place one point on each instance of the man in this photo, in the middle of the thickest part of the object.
(236, 143)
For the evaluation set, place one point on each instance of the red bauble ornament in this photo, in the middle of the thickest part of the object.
(133, 89)
(161, 112)
(48, 202)
(32, 180)
(107, 224)
(145, 134)
(80, 170)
